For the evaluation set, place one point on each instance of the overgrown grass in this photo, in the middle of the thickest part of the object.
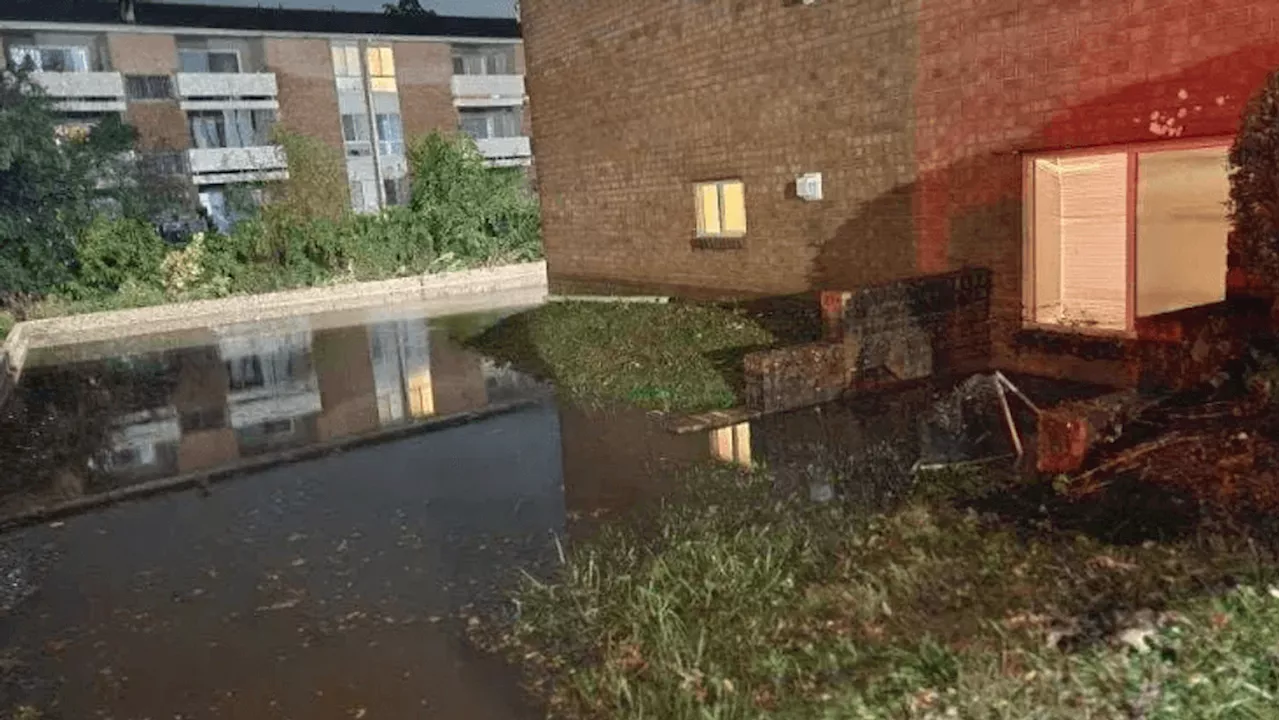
(6, 324)
(737, 602)
(660, 356)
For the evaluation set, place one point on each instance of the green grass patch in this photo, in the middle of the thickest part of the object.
(660, 356)
(7, 322)
(739, 602)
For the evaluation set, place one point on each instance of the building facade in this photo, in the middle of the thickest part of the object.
(747, 147)
(204, 86)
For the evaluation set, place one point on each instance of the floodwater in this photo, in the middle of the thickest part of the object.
(337, 586)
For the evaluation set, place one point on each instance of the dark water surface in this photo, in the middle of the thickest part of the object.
(339, 586)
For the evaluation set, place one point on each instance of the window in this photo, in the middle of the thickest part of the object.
(355, 133)
(721, 209)
(147, 87)
(50, 59)
(484, 123)
(484, 60)
(390, 134)
(382, 69)
(230, 128)
(208, 61)
(397, 190)
(346, 60)
(1125, 233)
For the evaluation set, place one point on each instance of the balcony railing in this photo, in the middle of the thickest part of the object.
(213, 165)
(84, 91)
(245, 90)
(488, 89)
(505, 150)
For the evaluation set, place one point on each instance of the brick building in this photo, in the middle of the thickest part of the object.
(1073, 150)
(203, 85)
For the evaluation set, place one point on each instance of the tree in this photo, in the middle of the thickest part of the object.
(406, 8)
(1253, 184)
(53, 181)
(471, 209)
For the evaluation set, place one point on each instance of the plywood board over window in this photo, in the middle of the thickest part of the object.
(1119, 233)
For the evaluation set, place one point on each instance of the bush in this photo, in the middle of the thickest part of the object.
(188, 274)
(473, 211)
(114, 251)
(1253, 184)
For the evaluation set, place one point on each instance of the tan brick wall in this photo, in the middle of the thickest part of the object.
(161, 124)
(304, 76)
(143, 53)
(633, 102)
(423, 74)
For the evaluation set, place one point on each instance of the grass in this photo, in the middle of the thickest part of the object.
(7, 322)
(658, 356)
(741, 602)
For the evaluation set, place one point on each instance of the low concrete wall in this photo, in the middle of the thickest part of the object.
(442, 293)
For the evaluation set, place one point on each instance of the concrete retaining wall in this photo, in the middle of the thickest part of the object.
(442, 293)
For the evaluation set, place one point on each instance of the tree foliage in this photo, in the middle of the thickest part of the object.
(1253, 184)
(406, 8)
(51, 185)
(472, 210)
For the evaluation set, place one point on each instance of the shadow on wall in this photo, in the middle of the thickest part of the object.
(968, 212)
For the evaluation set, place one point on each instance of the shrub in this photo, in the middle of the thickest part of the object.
(1253, 184)
(188, 274)
(472, 211)
(114, 251)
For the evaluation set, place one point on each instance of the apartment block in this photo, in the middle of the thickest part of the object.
(205, 85)
(1076, 150)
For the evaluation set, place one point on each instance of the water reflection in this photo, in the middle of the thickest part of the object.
(245, 390)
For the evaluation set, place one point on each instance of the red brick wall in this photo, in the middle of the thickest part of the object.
(999, 76)
(913, 111)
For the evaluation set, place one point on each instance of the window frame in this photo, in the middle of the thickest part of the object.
(1131, 150)
(720, 207)
(38, 51)
(207, 53)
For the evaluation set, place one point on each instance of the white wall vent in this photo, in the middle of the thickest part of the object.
(809, 187)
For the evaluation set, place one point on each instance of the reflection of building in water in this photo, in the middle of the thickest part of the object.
(272, 392)
(401, 355)
(143, 442)
(251, 392)
(732, 444)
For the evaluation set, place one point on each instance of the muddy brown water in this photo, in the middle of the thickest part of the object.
(337, 586)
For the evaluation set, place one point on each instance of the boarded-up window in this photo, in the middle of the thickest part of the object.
(1087, 247)
(721, 208)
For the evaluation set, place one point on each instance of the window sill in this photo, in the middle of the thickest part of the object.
(1083, 330)
(719, 242)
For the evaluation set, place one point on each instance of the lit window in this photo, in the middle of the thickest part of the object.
(382, 69)
(1126, 233)
(721, 208)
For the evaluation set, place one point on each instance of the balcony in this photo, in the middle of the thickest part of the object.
(221, 165)
(485, 90)
(501, 151)
(210, 91)
(84, 91)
